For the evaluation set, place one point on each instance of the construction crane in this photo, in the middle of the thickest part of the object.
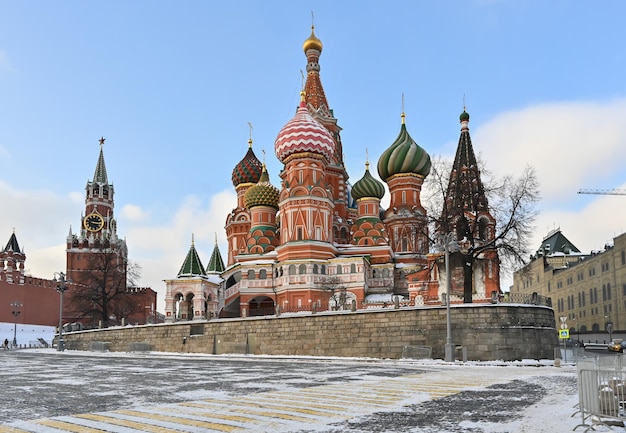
(603, 191)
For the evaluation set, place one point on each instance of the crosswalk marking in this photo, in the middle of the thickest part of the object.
(112, 420)
(69, 427)
(7, 429)
(267, 411)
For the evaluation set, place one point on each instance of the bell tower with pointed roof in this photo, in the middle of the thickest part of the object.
(466, 213)
(97, 233)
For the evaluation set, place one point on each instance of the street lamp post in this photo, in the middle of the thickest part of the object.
(16, 312)
(448, 243)
(61, 288)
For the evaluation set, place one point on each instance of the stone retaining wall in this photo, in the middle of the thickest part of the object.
(488, 332)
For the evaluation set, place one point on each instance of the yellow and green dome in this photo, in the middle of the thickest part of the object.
(262, 194)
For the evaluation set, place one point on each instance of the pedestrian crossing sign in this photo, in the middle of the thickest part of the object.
(563, 334)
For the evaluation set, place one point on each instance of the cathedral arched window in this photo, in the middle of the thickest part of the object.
(302, 269)
(262, 274)
(251, 274)
(483, 229)
(292, 269)
(323, 270)
(353, 268)
(315, 269)
(339, 270)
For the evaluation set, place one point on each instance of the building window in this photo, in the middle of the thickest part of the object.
(262, 274)
(302, 269)
(251, 274)
(323, 270)
(339, 270)
(315, 269)
(292, 269)
(299, 236)
(353, 268)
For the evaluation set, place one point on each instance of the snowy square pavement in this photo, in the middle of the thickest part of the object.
(48, 391)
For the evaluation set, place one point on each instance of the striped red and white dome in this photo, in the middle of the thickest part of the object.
(303, 134)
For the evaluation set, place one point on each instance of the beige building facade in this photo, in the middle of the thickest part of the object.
(589, 289)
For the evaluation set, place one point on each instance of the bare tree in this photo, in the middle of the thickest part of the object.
(100, 291)
(337, 292)
(512, 203)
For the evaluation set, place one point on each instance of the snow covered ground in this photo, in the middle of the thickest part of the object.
(49, 391)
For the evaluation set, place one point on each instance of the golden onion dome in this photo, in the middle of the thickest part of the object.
(312, 43)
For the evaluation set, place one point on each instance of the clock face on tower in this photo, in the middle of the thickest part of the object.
(93, 222)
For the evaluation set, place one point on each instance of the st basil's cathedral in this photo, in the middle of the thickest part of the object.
(318, 243)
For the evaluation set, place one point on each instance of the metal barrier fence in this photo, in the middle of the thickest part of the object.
(601, 391)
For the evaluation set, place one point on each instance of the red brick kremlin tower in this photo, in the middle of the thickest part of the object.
(97, 257)
(35, 301)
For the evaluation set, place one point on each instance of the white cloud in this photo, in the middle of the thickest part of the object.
(134, 213)
(161, 249)
(41, 221)
(570, 144)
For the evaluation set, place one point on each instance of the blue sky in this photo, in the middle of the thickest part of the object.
(173, 85)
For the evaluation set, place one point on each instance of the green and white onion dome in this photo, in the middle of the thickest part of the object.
(404, 156)
(367, 186)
